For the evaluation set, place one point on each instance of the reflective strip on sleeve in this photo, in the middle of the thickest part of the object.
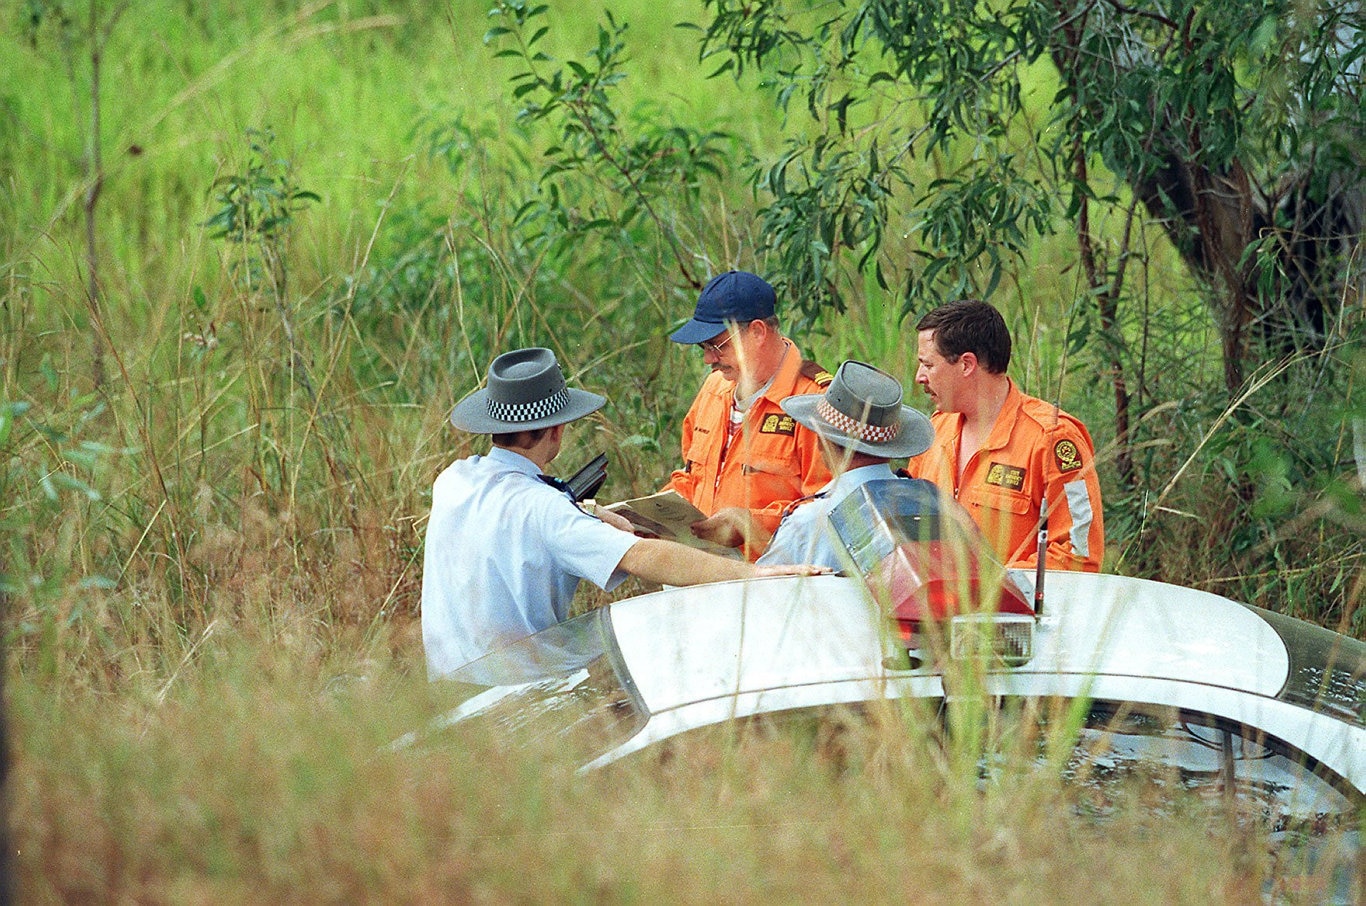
(1079, 505)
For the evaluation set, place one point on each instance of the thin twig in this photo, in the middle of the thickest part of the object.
(1269, 373)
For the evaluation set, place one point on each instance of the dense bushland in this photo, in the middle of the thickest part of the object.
(256, 321)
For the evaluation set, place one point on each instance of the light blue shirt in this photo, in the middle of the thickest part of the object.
(806, 536)
(503, 556)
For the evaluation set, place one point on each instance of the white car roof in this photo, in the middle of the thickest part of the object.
(702, 654)
(688, 644)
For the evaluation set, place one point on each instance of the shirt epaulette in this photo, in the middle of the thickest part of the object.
(814, 372)
(791, 507)
(557, 484)
(1048, 416)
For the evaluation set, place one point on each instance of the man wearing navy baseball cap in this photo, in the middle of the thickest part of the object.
(744, 458)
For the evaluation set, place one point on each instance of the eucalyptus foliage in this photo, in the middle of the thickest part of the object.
(1236, 125)
(645, 172)
(47, 462)
(255, 210)
(934, 145)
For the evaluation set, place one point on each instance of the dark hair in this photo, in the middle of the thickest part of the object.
(970, 325)
(519, 438)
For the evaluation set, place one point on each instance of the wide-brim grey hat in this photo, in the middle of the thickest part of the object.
(861, 410)
(525, 391)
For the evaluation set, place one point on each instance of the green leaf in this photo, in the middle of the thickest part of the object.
(49, 372)
(98, 582)
(60, 481)
(727, 66)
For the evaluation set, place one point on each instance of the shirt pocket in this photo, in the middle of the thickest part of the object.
(1008, 502)
(696, 453)
(772, 479)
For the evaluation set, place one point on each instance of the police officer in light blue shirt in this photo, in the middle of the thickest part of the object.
(863, 426)
(506, 546)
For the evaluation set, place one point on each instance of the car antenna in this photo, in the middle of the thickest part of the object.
(1043, 547)
(1043, 518)
(1043, 501)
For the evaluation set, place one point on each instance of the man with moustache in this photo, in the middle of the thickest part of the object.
(1000, 452)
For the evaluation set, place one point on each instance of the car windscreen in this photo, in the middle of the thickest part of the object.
(1327, 669)
(1212, 758)
(567, 684)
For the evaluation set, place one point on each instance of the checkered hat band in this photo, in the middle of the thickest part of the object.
(878, 434)
(529, 412)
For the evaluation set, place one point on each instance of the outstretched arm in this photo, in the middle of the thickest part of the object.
(670, 563)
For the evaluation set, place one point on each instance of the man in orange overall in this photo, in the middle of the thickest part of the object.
(1002, 453)
(744, 458)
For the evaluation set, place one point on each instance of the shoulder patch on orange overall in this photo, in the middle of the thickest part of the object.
(1067, 455)
(814, 372)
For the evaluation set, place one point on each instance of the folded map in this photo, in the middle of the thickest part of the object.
(667, 515)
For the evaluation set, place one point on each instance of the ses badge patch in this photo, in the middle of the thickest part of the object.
(1067, 455)
(1005, 476)
(778, 424)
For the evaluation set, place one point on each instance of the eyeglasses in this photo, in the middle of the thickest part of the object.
(708, 346)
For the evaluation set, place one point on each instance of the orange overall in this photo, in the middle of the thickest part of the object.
(771, 462)
(1034, 450)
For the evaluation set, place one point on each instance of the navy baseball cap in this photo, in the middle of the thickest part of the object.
(735, 296)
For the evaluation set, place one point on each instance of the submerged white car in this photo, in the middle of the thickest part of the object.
(1232, 699)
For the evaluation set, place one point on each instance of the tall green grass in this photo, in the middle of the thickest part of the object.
(264, 774)
(211, 543)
